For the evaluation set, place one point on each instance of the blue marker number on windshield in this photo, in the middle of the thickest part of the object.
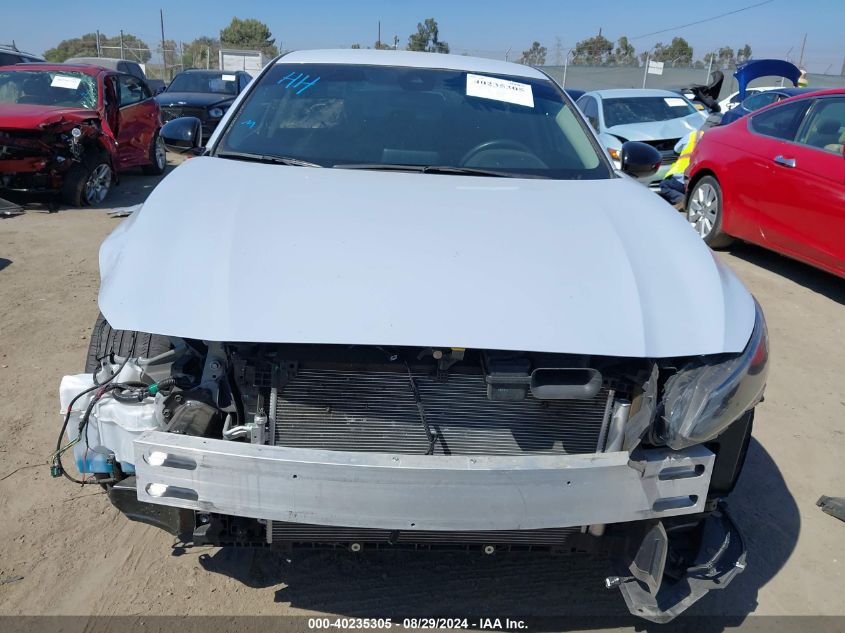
(298, 80)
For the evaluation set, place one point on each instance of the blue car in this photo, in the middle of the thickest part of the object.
(754, 69)
(760, 99)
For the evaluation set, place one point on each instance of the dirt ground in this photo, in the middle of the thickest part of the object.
(65, 550)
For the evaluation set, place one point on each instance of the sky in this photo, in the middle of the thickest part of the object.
(485, 28)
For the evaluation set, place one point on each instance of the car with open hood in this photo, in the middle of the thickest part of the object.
(204, 94)
(68, 129)
(430, 314)
(660, 118)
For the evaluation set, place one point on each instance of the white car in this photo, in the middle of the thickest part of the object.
(659, 118)
(405, 300)
(732, 100)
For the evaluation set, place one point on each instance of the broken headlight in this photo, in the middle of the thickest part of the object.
(704, 397)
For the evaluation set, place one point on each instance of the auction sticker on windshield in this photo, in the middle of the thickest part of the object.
(675, 102)
(499, 90)
(63, 81)
(228, 78)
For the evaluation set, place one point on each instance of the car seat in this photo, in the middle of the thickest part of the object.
(825, 132)
(36, 89)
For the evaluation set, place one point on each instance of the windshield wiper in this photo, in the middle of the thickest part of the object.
(434, 169)
(267, 158)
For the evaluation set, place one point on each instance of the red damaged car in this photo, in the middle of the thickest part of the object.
(776, 178)
(70, 128)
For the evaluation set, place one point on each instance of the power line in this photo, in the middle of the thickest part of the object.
(715, 17)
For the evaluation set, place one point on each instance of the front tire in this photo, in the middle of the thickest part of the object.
(705, 212)
(105, 340)
(158, 157)
(88, 183)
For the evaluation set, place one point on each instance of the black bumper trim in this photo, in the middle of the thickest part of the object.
(721, 556)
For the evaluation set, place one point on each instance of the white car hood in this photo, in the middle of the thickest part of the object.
(236, 251)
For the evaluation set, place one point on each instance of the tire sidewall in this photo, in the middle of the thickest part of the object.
(153, 169)
(73, 187)
(716, 237)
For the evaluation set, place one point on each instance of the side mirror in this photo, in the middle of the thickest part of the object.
(183, 135)
(639, 160)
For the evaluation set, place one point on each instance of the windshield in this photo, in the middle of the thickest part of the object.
(216, 83)
(49, 88)
(379, 117)
(627, 110)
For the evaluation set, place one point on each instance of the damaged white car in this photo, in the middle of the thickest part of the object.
(429, 313)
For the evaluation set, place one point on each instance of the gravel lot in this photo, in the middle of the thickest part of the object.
(65, 550)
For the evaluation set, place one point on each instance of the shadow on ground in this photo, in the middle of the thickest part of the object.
(4, 262)
(805, 275)
(133, 188)
(567, 588)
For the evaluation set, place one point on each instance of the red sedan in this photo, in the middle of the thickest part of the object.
(777, 179)
(68, 128)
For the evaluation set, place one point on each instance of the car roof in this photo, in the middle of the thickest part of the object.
(80, 68)
(102, 62)
(792, 92)
(206, 71)
(410, 59)
(800, 93)
(631, 93)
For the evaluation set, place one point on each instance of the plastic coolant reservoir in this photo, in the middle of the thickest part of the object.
(112, 426)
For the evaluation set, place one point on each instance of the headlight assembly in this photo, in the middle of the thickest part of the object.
(215, 113)
(704, 397)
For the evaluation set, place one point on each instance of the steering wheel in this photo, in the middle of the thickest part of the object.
(499, 143)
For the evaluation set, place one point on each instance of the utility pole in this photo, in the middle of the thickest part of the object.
(378, 41)
(842, 72)
(207, 57)
(395, 42)
(566, 66)
(98, 42)
(710, 66)
(163, 53)
(508, 53)
(801, 59)
(645, 73)
(558, 51)
(596, 56)
(122, 55)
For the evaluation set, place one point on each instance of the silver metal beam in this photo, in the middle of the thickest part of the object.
(422, 492)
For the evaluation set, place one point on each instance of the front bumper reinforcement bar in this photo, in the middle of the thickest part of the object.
(419, 492)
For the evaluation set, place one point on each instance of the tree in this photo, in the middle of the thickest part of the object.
(678, 52)
(625, 53)
(381, 46)
(725, 57)
(427, 38)
(356, 46)
(170, 54)
(596, 50)
(743, 54)
(534, 56)
(134, 48)
(249, 34)
(203, 52)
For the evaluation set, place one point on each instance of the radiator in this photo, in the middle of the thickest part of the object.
(378, 411)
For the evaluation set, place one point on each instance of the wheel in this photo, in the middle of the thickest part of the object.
(158, 157)
(704, 212)
(105, 340)
(88, 182)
